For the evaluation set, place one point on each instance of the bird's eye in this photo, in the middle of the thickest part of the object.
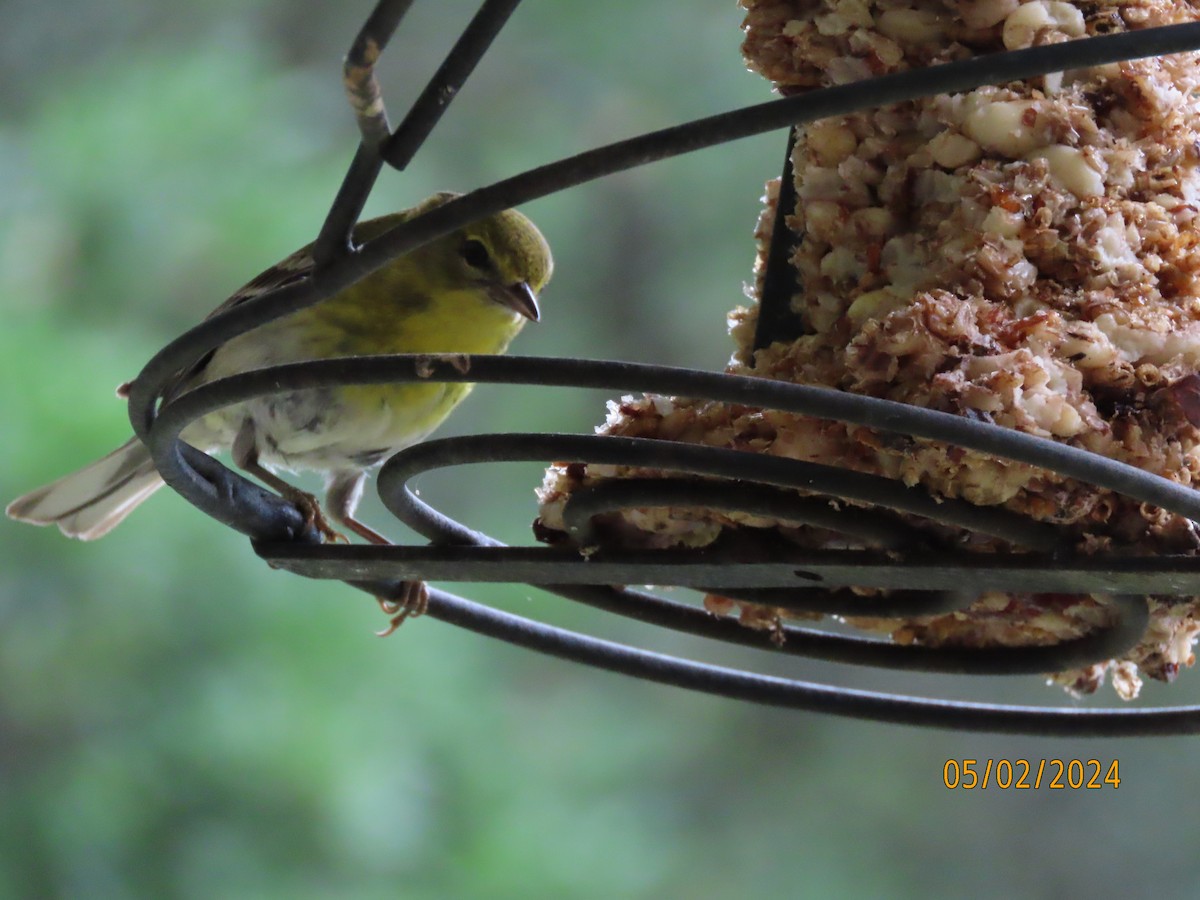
(476, 254)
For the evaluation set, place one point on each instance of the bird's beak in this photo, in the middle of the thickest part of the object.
(520, 299)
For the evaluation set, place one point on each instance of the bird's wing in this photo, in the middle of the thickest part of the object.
(289, 270)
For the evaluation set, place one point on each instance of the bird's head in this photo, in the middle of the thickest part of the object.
(504, 254)
(508, 255)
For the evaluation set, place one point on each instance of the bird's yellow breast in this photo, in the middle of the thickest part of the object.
(385, 313)
(435, 299)
(357, 323)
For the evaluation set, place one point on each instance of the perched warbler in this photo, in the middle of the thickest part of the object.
(468, 292)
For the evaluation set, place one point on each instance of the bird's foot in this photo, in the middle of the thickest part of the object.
(310, 507)
(412, 601)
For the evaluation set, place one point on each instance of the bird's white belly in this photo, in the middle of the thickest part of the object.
(330, 429)
(326, 429)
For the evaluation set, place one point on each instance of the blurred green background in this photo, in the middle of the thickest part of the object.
(176, 720)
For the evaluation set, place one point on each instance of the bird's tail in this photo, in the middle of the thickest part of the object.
(91, 502)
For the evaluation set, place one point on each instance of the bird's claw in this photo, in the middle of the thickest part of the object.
(314, 518)
(412, 602)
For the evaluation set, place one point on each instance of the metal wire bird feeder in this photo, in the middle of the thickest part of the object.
(922, 579)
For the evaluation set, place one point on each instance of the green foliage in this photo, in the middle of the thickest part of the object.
(177, 720)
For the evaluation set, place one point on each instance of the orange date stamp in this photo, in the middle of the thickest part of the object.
(1031, 775)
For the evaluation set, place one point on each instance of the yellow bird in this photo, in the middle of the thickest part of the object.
(468, 292)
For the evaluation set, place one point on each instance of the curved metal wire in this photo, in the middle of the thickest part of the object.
(925, 581)
(870, 527)
(453, 557)
(699, 134)
(765, 689)
(818, 402)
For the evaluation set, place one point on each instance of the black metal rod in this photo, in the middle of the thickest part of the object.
(702, 569)
(399, 147)
(334, 240)
(437, 453)
(748, 686)
(358, 70)
(824, 403)
(461, 61)
(901, 710)
(658, 145)
(271, 520)
(707, 132)
(649, 609)
(492, 561)
(366, 100)
(698, 459)
(777, 321)
(869, 526)
(432, 454)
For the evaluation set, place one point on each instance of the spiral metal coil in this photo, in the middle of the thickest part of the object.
(923, 578)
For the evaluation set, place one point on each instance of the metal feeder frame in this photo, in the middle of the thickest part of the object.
(924, 579)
